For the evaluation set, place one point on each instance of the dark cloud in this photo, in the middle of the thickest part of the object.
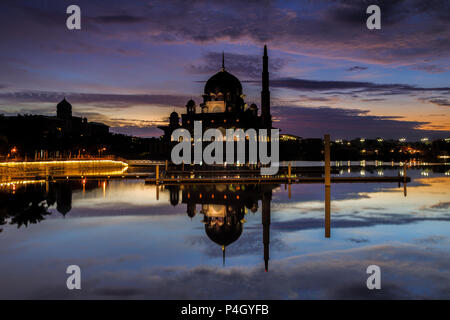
(431, 68)
(330, 28)
(301, 121)
(359, 240)
(353, 221)
(356, 68)
(311, 122)
(138, 131)
(351, 86)
(441, 205)
(122, 18)
(250, 242)
(432, 240)
(441, 102)
(249, 66)
(101, 100)
(328, 275)
(374, 99)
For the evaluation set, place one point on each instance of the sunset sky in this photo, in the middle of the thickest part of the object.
(134, 62)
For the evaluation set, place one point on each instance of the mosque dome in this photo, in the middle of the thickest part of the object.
(174, 119)
(190, 106)
(190, 103)
(224, 234)
(223, 82)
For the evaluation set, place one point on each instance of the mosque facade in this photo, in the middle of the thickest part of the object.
(223, 105)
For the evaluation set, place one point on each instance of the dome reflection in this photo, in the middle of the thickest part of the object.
(224, 207)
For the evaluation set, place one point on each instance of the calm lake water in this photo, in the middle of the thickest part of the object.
(216, 241)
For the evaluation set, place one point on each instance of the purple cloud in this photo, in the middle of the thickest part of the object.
(347, 123)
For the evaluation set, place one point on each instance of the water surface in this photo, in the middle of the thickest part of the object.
(227, 241)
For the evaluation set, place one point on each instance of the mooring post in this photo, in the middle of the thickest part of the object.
(327, 186)
(404, 172)
(327, 212)
(167, 164)
(289, 172)
(157, 173)
(327, 161)
(404, 179)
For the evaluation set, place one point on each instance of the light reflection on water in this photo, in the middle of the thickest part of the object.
(131, 245)
(11, 172)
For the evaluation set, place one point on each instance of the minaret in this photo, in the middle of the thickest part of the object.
(266, 227)
(265, 93)
(223, 61)
(223, 256)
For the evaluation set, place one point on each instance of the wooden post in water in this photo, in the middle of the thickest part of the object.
(404, 179)
(327, 212)
(404, 172)
(327, 161)
(157, 173)
(167, 164)
(289, 172)
(327, 187)
(157, 192)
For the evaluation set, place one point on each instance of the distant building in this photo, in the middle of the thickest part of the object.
(63, 135)
(64, 109)
(77, 125)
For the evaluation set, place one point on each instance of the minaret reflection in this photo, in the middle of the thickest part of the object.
(224, 207)
(267, 197)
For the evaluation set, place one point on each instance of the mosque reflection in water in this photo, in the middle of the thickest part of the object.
(223, 207)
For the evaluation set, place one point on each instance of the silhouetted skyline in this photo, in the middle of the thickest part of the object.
(133, 63)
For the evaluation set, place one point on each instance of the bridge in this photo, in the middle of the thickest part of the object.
(144, 163)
